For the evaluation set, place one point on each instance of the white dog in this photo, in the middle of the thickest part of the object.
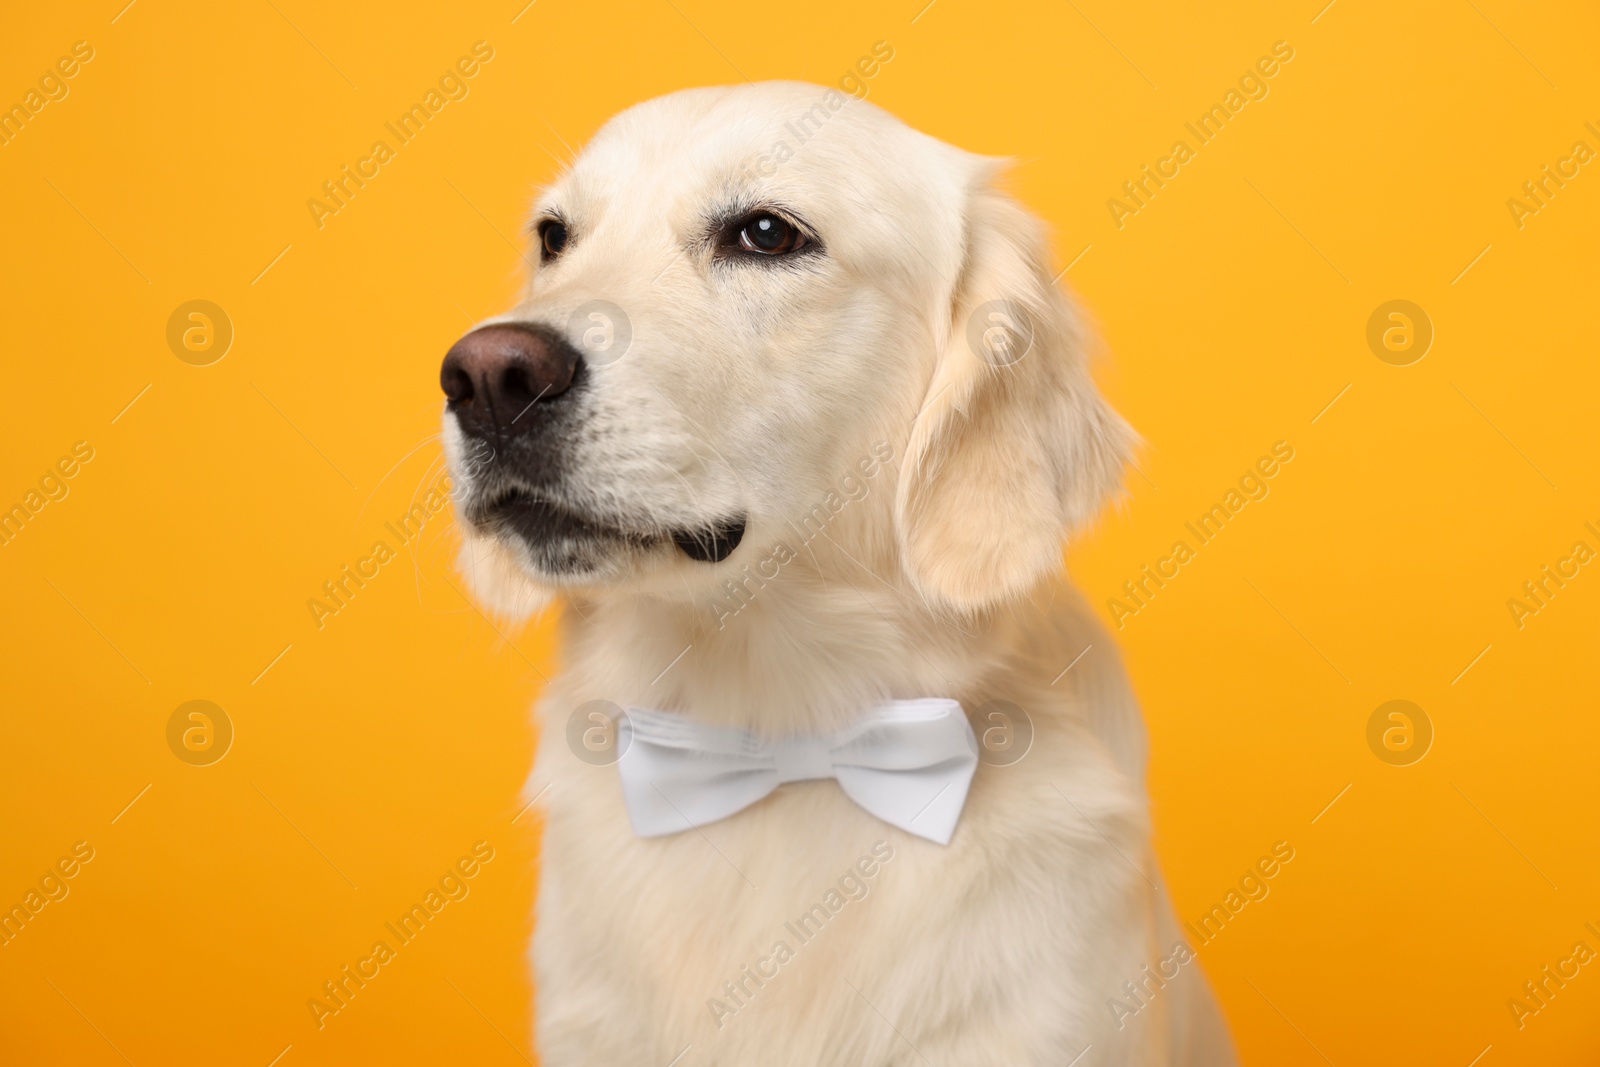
(794, 417)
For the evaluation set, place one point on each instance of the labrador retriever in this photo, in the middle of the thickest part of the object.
(795, 419)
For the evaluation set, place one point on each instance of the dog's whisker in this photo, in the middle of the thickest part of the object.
(438, 461)
(429, 439)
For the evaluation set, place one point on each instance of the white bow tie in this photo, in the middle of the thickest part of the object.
(908, 762)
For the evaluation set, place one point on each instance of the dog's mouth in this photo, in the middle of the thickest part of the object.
(542, 523)
(711, 544)
(539, 521)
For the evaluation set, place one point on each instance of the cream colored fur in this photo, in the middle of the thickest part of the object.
(756, 390)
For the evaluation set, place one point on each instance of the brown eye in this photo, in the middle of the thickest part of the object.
(552, 239)
(768, 235)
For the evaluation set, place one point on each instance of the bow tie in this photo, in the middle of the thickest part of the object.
(908, 762)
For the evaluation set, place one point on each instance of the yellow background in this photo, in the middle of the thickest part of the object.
(375, 751)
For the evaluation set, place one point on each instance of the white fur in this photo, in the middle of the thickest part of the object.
(754, 390)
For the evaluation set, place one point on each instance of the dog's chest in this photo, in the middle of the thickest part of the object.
(798, 929)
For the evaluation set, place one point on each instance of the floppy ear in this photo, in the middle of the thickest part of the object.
(1014, 446)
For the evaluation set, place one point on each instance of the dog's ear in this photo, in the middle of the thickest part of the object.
(1014, 447)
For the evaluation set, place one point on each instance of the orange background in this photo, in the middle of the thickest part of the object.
(370, 754)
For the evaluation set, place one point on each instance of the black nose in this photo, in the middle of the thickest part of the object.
(495, 377)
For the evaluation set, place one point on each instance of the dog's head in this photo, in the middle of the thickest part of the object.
(749, 308)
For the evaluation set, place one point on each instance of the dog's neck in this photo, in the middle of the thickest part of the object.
(801, 654)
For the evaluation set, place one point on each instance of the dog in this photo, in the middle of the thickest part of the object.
(795, 419)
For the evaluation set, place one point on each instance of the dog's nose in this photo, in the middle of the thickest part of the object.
(495, 376)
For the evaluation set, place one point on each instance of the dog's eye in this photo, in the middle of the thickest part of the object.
(768, 235)
(552, 239)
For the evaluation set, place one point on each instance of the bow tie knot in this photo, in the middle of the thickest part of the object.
(908, 762)
(802, 759)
